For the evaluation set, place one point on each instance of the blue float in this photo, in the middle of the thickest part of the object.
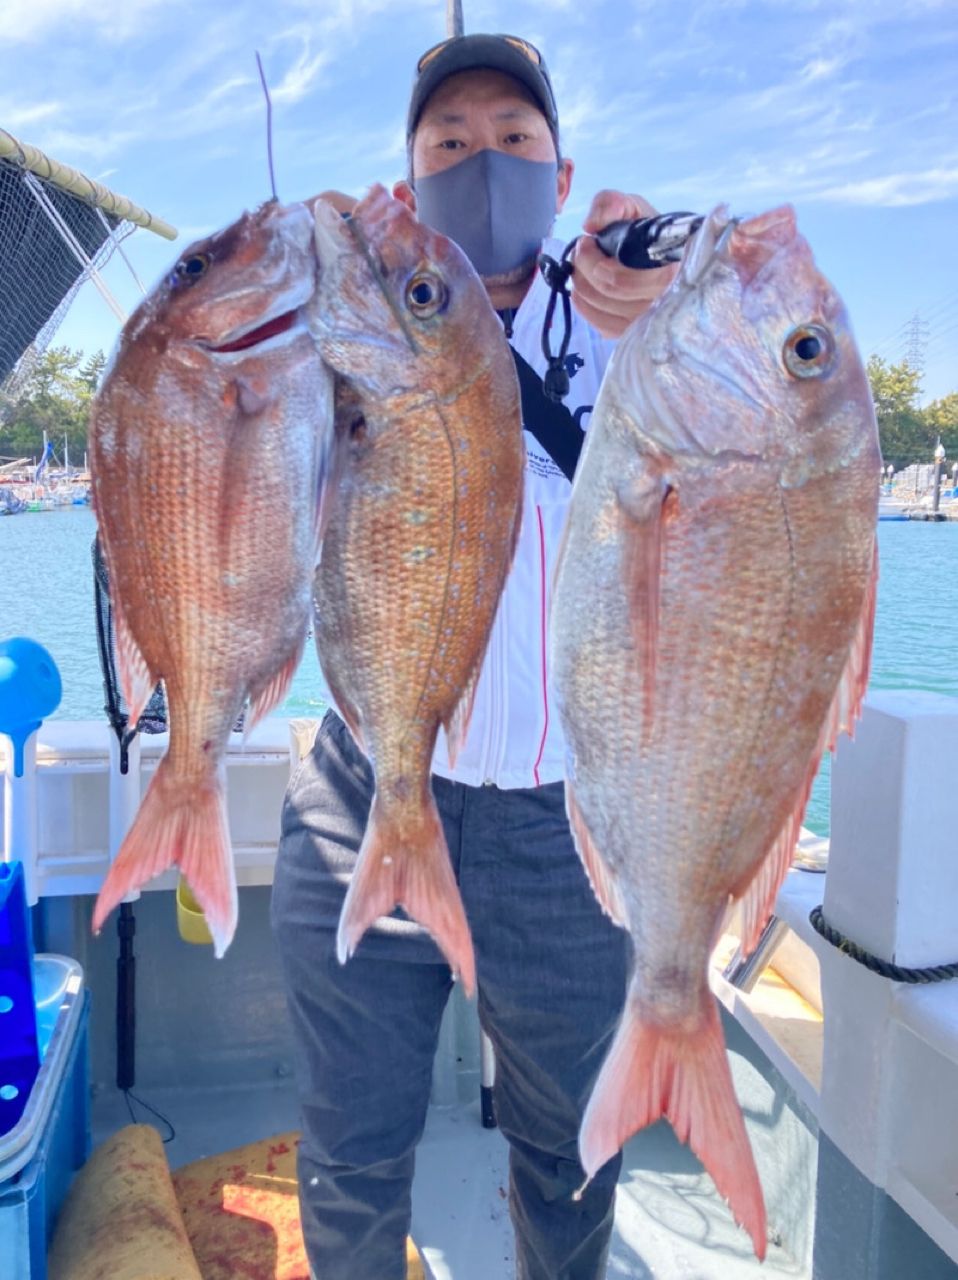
(30, 689)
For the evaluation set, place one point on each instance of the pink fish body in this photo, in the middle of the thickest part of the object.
(420, 523)
(712, 622)
(206, 450)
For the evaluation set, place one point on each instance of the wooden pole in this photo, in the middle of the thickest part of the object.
(78, 184)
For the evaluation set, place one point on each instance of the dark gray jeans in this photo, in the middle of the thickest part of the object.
(551, 977)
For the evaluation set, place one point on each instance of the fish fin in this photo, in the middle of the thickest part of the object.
(347, 710)
(456, 724)
(651, 1071)
(605, 884)
(758, 897)
(244, 406)
(137, 681)
(649, 501)
(184, 826)
(251, 399)
(407, 864)
(847, 703)
(272, 693)
(332, 453)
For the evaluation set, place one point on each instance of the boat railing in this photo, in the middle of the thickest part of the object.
(874, 1061)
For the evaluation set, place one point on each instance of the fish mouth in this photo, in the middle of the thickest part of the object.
(260, 333)
(360, 236)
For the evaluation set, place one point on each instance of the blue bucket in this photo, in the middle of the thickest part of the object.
(19, 1048)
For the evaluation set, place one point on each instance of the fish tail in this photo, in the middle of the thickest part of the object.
(183, 825)
(404, 861)
(653, 1071)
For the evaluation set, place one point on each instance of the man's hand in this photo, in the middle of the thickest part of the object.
(607, 294)
(340, 201)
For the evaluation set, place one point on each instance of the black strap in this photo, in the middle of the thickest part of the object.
(153, 719)
(549, 421)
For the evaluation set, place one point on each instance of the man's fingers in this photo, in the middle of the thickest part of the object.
(613, 303)
(340, 201)
(615, 206)
(595, 272)
(608, 326)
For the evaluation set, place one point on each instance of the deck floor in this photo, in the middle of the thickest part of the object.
(670, 1222)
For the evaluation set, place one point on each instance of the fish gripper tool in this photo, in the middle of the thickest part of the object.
(648, 242)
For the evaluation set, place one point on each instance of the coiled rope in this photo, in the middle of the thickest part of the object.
(895, 972)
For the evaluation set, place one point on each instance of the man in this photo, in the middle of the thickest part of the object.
(486, 169)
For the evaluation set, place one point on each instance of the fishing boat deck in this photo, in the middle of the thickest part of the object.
(670, 1222)
(852, 1132)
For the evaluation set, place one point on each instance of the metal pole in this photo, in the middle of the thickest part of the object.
(487, 1080)
(124, 800)
(454, 23)
(20, 818)
(936, 483)
(744, 971)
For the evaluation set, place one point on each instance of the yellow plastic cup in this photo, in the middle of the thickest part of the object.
(189, 917)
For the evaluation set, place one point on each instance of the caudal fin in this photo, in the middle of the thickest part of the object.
(182, 825)
(404, 861)
(653, 1071)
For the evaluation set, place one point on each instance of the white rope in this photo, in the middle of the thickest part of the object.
(121, 251)
(45, 203)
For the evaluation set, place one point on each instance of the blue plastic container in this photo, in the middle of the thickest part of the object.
(30, 689)
(40, 1157)
(19, 1048)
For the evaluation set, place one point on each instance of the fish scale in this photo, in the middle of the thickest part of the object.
(420, 525)
(207, 447)
(711, 620)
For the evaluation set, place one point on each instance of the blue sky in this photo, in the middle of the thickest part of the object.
(846, 108)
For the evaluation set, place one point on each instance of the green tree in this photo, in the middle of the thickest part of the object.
(55, 398)
(91, 371)
(906, 436)
(942, 419)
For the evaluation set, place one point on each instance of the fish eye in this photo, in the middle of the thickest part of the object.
(425, 294)
(191, 268)
(809, 351)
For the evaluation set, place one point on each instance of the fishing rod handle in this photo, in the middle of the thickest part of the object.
(642, 243)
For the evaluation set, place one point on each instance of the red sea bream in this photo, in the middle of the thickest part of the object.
(420, 523)
(712, 624)
(206, 449)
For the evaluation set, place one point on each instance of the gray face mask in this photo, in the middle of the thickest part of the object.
(496, 207)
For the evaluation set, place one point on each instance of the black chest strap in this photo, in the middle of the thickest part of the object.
(548, 421)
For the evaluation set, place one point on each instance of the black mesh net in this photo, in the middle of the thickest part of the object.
(39, 271)
(153, 718)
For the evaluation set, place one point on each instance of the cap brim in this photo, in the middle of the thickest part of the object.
(474, 53)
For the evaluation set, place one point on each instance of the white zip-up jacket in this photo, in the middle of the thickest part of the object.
(514, 737)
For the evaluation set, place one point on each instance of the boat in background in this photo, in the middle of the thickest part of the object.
(10, 503)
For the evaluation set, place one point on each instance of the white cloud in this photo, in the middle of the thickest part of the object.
(896, 190)
(821, 68)
(21, 117)
(22, 21)
(302, 76)
(72, 147)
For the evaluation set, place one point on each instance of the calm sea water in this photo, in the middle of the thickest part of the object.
(46, 592)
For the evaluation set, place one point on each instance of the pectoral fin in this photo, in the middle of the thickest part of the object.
(137, 681)
(649, 502)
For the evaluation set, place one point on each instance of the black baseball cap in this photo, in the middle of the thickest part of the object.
(510, 54)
